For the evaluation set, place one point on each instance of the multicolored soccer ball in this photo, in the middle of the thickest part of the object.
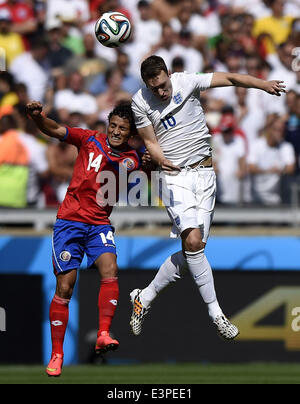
(112, 29)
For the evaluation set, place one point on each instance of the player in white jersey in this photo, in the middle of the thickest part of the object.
(170, 120)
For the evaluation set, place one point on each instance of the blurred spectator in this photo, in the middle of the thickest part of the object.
(100, 126)
(250, 117)
(292, 130)
(22, 165)
(277, 26)
(61, 159)
(58, 54)
(190, 20)
(248, 41)
(8, 94)
(269, 159)
(164, 10)
(112, 5)
(177, 65)
(295, 33)
(77, 10)
(165, 46)
(282, 70)
(130, 83)
(229, 124)
(193, 60)
(113, 95)
(261, 8)
(23, 19)
(146, 28)
(32, 68)
(75, 99)
(228, 41)
(229, 156)
(72, 36)
(88, 64)
(10, 41)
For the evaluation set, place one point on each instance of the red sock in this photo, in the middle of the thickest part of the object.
(59, 316)
(107, 302)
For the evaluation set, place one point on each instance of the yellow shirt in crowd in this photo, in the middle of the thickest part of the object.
(278, 28)
(13, 46)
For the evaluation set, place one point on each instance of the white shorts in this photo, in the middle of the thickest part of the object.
(189, 198)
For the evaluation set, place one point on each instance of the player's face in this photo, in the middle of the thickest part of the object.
(118, 131)
(161, 86)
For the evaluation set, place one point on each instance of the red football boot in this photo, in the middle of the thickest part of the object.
(55, 365)
(105, 343)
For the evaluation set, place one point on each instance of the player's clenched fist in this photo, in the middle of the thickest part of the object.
(34, 108)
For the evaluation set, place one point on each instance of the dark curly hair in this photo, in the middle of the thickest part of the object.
(123, 110)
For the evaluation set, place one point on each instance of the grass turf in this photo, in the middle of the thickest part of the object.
(252, 373)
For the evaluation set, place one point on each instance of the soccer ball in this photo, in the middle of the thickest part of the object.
(112, 29)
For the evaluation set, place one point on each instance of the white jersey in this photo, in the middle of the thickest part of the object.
(179, 123)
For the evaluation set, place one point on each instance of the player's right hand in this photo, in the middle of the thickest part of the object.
(34, 108)
(168, 166)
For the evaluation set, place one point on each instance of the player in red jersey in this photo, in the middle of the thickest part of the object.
(83, 225)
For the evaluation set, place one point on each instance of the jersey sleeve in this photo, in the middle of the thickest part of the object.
(201, 81)
(77, 136)
(140, 112)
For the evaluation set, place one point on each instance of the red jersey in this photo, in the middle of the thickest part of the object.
(95, 156)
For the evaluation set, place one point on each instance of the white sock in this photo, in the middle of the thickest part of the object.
(202, 274)
(169, 272)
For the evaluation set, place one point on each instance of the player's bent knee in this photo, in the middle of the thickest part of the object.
(193, 242)
(108, 270)
(64, 290)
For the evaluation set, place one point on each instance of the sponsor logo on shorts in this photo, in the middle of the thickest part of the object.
(65, 256)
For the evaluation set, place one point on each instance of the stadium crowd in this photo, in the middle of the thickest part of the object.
(51, 55)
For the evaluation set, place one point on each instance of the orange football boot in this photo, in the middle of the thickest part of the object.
(55, 365)
(105, 343)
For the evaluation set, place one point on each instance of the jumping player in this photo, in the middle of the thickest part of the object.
(170, 120)
(83, 224)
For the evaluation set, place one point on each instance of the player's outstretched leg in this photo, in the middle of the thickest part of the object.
(169, 272)
(203, 277)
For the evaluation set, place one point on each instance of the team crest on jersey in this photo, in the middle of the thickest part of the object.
(65, 256)
(178, 98)
(128, 164)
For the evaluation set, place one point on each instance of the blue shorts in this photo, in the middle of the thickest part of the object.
(71, 240)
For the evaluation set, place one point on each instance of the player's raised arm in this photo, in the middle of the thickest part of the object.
(154, 149)
(46, 125)
(273, 87)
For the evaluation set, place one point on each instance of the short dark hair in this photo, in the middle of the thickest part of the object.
(152, 67)
(124, 111)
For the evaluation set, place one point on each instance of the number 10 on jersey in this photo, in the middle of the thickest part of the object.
(169, 121)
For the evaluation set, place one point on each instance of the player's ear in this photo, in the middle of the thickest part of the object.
(169, 72)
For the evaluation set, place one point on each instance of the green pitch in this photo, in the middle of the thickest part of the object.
(254, 373)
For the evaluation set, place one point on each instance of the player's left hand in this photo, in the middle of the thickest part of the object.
(275, 87)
